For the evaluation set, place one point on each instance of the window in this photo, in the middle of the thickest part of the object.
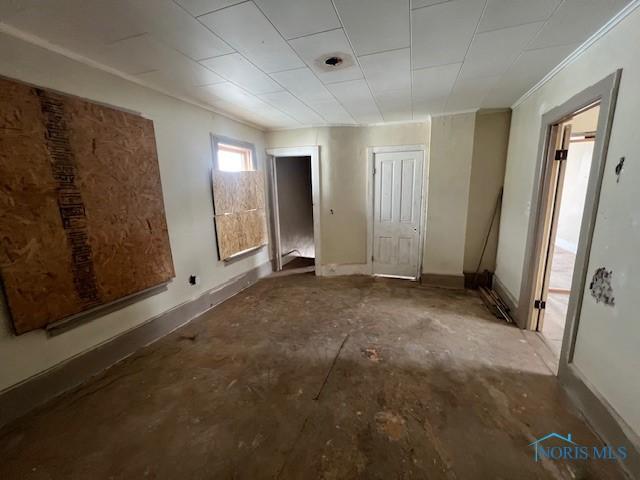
(234, 159)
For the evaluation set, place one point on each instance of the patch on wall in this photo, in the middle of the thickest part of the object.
(600, 286)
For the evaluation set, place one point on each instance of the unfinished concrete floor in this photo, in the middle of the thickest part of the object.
(424, 384)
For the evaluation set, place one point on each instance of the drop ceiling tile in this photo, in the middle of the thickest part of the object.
(575, 20)
(442, 33)
(228, 92)
(491, 53)
(387, 70)
(200, 7)
(247, 30)
(469, 94)
(333, 112)
(314, 49)
(138, 54)
(304, 85)
(509, 13)
(239, 70)
(423, 109)
(76, 25)
(294, 18)
(530, 68)
(293, 107)
(395, 105)
(185, 74)
(375, 25)
(425, 3)
(178, 29)
(355, 96)
(434, 82)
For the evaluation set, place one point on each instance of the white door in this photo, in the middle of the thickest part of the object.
(397, 201)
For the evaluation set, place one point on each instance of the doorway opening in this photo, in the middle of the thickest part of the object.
(294, 208)
(574, 140)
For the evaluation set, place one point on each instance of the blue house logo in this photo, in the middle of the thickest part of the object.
(538, 445)
(570, 450)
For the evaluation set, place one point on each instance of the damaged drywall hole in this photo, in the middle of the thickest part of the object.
(600, 286)
(333, 61)
(619, 168)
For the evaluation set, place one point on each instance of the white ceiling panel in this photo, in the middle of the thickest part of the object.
(314, 49)
(293, 107)
(387, 70)
(425, 3)
(525, 73)
(375, 25)
(434, 82)
(468, 94)
(576, 20)
(200, 7)
(442, 33)
(304, 85)
(179, 29)
(492, 53)
(139, 54)
(247, 30)
(239, 70)
(395, 105)
(73, 24)
(509, 13)
(295, 18)
(257, 58)
(356, 97)
(333, 112)
(186, 73)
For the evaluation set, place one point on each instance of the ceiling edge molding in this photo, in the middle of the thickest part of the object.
(615, 20)
(39, 42)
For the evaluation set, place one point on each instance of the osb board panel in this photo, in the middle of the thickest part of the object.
(82, 219)
(238, 191)
(240, 231)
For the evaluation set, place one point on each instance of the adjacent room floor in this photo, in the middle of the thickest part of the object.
(305, 377)
(555, 315)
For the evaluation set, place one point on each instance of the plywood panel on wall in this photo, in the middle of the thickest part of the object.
(239, 211)
(82, 219)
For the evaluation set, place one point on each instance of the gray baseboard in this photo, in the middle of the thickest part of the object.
(613, 430)
(440, 280)
(33, 392)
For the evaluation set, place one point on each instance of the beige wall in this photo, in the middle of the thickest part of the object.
(607, 352)
(449, 178)
(491, 138)
(184, 154)
(343, 180)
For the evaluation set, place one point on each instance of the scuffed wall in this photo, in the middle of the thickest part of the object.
(606, 352)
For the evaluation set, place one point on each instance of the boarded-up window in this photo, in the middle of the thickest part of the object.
(238, 198)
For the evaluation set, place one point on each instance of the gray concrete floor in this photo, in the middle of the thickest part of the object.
(301, 377)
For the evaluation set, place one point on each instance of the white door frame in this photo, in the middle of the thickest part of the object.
(371, 152)
(312, 151)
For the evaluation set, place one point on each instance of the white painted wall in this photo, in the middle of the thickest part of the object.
(574, 191)
(449, 179)
(184, 154)
(295, 205)
(607, 347)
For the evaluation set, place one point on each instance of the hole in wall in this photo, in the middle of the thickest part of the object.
(601, 288)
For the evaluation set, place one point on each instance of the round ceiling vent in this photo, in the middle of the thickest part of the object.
(333, 61)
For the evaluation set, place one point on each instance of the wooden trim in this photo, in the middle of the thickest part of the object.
(506, 297)
(35, 391)
(443, 280)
